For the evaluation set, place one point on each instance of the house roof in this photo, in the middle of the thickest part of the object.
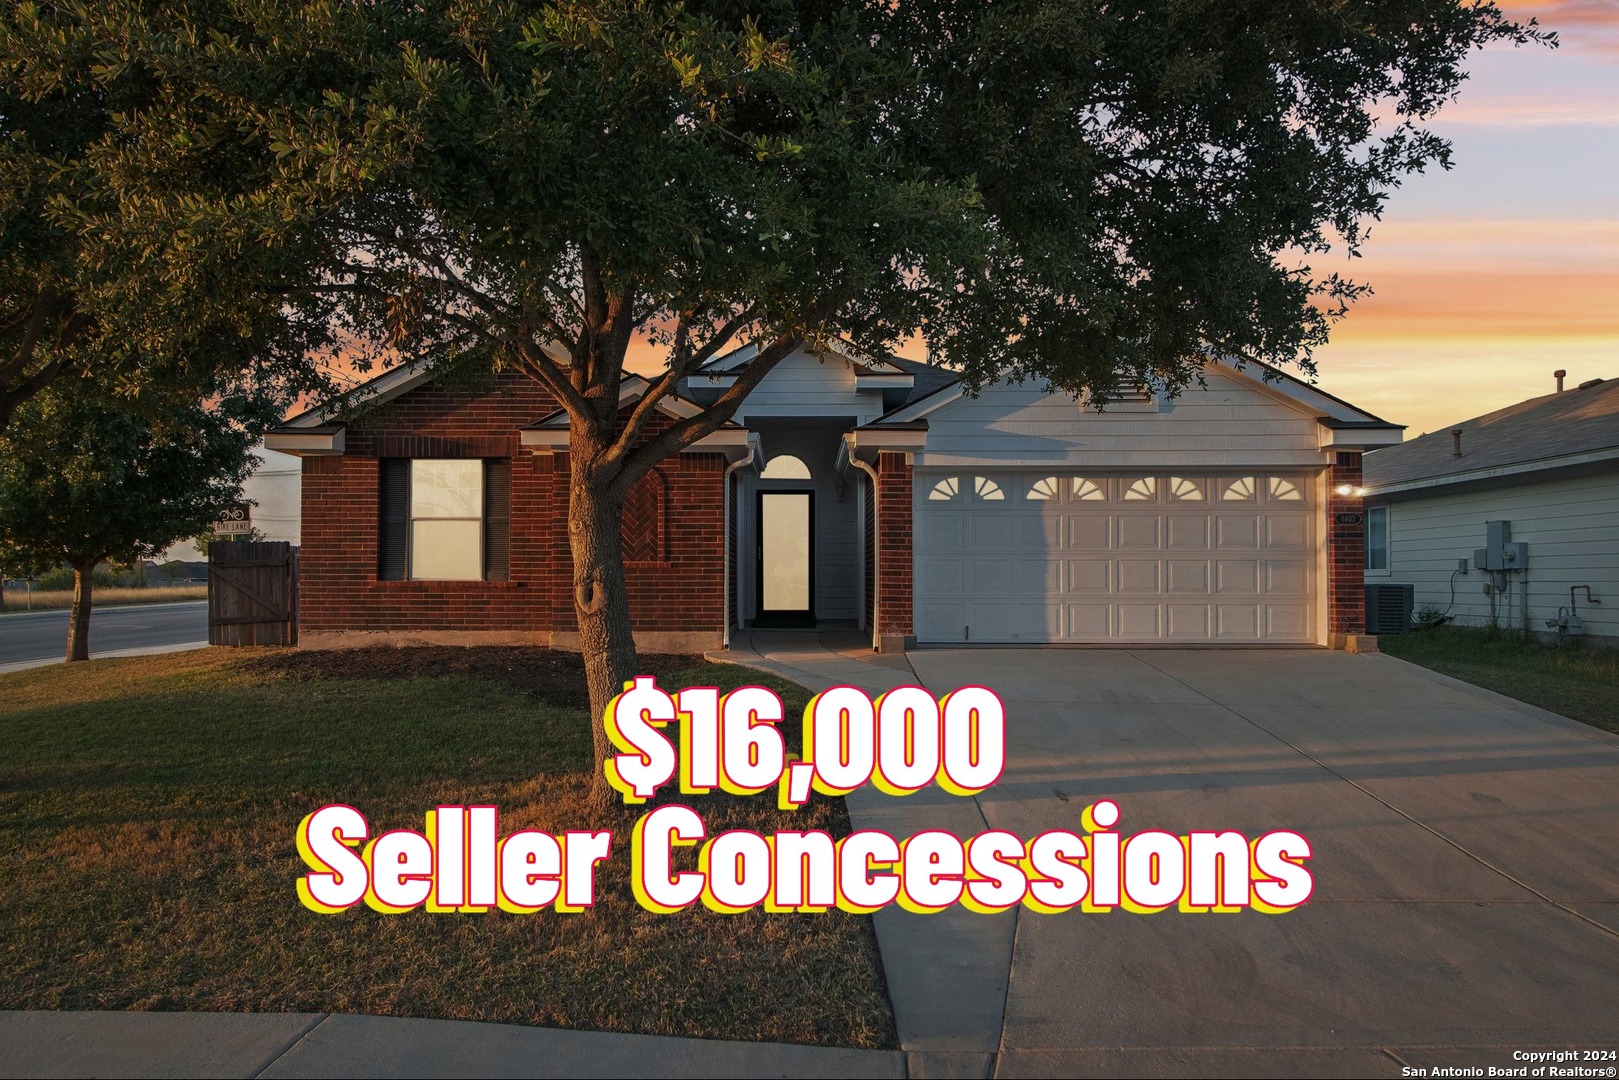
(1332, 412)
(1543, 432)
(925, 378)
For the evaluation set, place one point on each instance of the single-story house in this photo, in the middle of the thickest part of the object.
(869, 493)
(1546, 471)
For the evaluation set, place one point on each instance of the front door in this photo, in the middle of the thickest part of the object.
(785, 559)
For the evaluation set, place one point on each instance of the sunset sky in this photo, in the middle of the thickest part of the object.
(1489, 277)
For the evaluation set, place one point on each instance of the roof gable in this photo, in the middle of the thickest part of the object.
(1288, 390)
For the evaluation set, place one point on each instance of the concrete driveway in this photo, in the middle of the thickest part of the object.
(1466, 863)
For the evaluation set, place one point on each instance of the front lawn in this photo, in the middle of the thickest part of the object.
(147, 817)
(1578, 683)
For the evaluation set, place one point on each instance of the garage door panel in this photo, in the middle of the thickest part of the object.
(990, 530)
(1237, 622)
(937, 621)
(1031, 531)
(1237, 532)
(1187, 576)
(947, 531)
(945, 576)
(1139, 622)
(1037, 577)
(1082, 563)
(1287, 576)
(1186, 622)
(1089, 533)
(989, 577)
(1287, 622)
(1008, 621)
(1090, 622)
(1090, 576)
(1236, 576)
(1283, 530)
(1187, 533)
(1137, 531)
(1140, 576)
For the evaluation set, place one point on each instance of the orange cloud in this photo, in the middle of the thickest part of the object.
(1580, 24)
(1471, 316)
(1470, 281)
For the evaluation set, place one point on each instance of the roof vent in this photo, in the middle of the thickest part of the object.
(1559, 375)
(1455, 442)
(1588, 383)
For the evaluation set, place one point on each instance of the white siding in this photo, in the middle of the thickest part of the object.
(1571, 527)
(1230, 423)
(803, 385)
(275, 487)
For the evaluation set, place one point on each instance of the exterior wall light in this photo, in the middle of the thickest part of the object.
(1345, 489)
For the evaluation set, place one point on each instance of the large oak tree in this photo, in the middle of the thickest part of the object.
(1084, 193)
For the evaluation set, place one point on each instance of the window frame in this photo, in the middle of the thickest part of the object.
(412, 518)
(397, 546)
(1381, 510)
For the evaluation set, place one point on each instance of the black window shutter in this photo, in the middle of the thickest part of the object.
(497, 519)
(393, 517)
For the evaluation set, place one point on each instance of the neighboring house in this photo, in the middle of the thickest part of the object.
(863, 493)
(1549, 468)
(274, 489)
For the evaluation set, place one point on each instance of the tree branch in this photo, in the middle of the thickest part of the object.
(684, 433)
(544, 370)
(682, 362)
(42, 308)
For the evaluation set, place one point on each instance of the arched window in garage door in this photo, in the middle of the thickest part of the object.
(1088, 490)
(1043, 490)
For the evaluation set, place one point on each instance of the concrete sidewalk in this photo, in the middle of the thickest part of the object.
(149, 650)
(71, 1044)
(947, 972)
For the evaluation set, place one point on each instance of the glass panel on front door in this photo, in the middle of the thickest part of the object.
(784, 552)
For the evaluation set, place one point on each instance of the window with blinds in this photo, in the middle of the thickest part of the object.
(444, 519)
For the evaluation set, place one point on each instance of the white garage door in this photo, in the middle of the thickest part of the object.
(1018, 557)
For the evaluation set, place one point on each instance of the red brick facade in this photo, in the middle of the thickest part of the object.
(894, 593)
(674, 536)
(1346, 550)
(674, 530)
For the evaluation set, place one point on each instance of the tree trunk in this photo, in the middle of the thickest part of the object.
(602, 604)
(78, 623)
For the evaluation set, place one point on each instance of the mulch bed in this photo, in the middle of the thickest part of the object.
(552, 676)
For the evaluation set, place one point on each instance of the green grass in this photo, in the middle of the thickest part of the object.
(147, 817)
(1579, 683)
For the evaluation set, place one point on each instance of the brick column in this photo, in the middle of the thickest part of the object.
(894, 599)
(1346, 555)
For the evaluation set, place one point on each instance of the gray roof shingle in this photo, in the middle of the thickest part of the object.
(1577, 421)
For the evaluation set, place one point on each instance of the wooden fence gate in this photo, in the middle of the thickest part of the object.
(252, 593)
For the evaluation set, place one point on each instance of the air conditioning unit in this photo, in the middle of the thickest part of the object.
(1388, 608)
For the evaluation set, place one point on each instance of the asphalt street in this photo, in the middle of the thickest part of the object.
(42, 635)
